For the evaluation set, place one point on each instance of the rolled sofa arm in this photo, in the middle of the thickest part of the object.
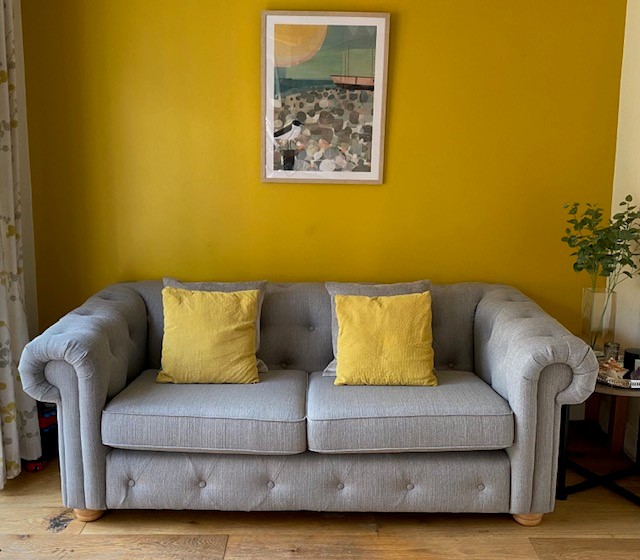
(78, 363)
(537, 365)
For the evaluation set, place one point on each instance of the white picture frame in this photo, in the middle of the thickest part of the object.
(324, 84)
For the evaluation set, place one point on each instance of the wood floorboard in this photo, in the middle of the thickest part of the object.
(586, 514)
(587, 549)
(36, 521)
(233, 523)
(138, 547)
(379, 548)
(595, 524)
(40, 489)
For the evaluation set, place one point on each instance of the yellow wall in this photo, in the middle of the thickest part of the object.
(144, 121)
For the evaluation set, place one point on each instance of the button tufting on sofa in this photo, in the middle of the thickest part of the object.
(341, 486)
(410, 486)
(271, 484)
(202, 484)
(311, 328)
(131, 483)
(480, 486)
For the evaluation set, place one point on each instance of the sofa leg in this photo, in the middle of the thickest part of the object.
(528, 519)
(88, 515)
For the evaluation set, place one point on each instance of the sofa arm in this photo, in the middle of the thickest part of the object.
(78, 363)
(537, 365)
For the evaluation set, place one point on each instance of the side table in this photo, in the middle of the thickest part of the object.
(618, 410)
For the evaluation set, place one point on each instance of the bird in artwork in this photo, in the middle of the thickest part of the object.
(289, 132)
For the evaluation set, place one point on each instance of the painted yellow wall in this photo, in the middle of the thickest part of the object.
(144, 123)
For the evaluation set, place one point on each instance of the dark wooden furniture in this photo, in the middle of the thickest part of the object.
(617, 419)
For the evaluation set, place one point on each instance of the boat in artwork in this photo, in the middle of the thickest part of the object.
(353, 82)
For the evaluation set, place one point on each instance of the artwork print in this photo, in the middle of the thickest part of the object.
(324, 91)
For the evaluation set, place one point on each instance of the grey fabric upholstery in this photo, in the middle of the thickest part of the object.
(151, 293)
(453, 316)
(262, 418)
(64, 379)
(452, 482)
(296, 327)
(529, 359)
(536, 365)
(260, 285)
(553, 379)
(85, 358)
(461, 413)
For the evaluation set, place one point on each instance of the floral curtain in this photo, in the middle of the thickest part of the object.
(19, 432)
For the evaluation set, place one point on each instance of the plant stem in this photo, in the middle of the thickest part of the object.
(600, 324)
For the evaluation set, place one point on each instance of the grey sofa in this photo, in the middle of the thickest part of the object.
(484, 440)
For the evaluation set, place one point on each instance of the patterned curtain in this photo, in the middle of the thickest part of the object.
(19, 432)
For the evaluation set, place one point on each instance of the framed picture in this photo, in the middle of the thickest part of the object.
(324, 81)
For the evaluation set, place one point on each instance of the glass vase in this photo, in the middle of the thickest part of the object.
(598, 317)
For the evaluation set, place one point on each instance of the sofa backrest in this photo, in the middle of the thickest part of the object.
(295, 328)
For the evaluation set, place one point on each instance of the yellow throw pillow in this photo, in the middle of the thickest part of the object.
(209, 337)
(385, 340)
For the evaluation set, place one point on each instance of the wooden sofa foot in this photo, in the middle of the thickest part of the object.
(528, 519)
(88, 515)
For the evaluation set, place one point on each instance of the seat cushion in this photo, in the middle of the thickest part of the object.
(461, 413)
(267, 418)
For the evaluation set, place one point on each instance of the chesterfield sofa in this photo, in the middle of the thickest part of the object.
(484, 440)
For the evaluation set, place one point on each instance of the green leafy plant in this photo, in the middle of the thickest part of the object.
(605, 249)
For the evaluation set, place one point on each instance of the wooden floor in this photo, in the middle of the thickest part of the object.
(595, 524)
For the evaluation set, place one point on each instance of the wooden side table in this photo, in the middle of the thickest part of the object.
(617, 417)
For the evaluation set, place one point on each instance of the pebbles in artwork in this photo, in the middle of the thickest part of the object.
(336, 127)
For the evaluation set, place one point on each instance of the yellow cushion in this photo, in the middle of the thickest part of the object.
(209, 337)
(385, 340)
